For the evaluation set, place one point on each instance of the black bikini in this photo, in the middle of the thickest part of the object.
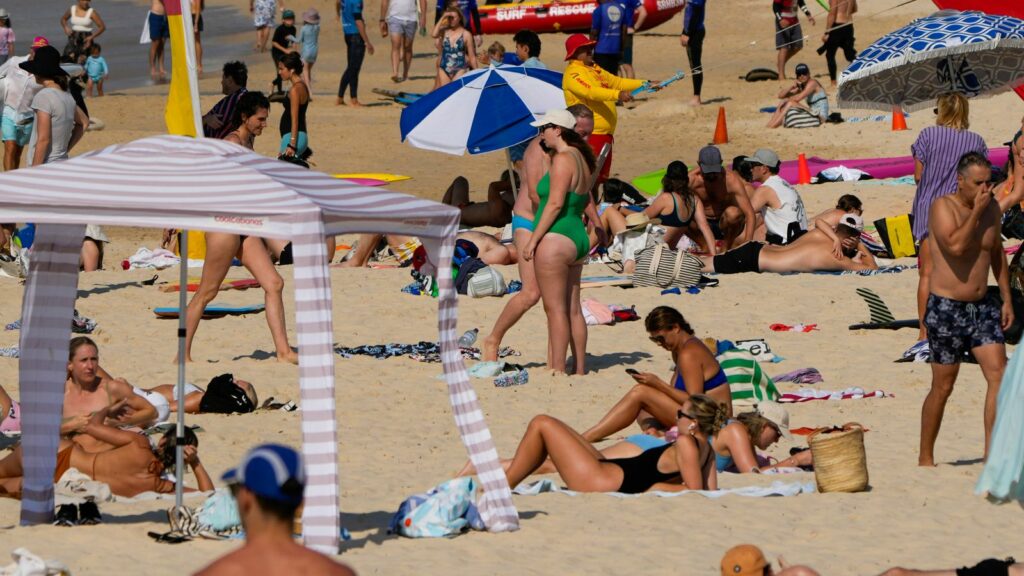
(672, 218)
(641, 472)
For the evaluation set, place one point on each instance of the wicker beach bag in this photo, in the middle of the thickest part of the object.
(840, 463)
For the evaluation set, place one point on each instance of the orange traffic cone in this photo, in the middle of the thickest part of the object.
(721, 132)
(899, 122)
(803, 171)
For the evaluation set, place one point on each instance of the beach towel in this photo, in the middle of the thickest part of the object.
(778, 488)
(74, 487)
(793, 328)
(422, 351)
(748, 384)
(1003, 475)
(801, 376)
(445, 510)
(809, 394)
(596, 313)
(10, 352)
(154, 259)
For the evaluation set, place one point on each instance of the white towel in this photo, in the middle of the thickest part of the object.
(778, 488)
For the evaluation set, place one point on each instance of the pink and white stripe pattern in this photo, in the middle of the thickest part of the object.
(48, 303)
(212, 185)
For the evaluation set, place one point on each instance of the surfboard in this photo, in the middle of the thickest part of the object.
(211, 311)
(610, 280)
(193, 285)
(364, 181)
(383, 176)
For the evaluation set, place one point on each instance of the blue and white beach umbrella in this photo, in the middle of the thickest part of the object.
(969, 52)
(485, 110)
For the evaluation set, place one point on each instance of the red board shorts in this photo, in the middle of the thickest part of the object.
(597, 141)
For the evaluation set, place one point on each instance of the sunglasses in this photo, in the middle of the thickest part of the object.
(681, 414)
(659, 340)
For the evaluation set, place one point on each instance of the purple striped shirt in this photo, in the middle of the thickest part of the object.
(225, 110)
(939, 148)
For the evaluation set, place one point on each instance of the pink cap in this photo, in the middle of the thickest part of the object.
(39, 42)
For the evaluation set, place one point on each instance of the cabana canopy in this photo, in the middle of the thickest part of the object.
(212, 185)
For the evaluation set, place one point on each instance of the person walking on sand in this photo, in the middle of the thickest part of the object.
(82, 24)
(584, 82)
(96, 70)
(263, 12)
(159, 32)
(268, 488)
(838, 34)
(399, 19)
(535, 164)
(692, 38)
(197, 29)
(281, 44)
(457, 47)
(961, 315)
(222, 247)
(6, 36)
(18, 116)
(309, 43)
(789, 37)
(357, 44)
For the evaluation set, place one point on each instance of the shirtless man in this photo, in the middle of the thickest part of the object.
(89, 389)
(838, 34)
(491, 251)
(960, 315)
(268, 487)
(725, 200)
(820, 249)
(535, 164)
(159, 32)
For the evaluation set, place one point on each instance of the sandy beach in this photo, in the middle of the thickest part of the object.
(396, 434)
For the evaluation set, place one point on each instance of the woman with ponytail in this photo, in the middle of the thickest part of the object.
(686, 464)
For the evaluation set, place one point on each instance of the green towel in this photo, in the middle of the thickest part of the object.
(747, 382)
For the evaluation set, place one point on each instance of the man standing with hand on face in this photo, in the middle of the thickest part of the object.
(961, 316)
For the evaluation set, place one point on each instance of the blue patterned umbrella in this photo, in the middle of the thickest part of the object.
(969, 52)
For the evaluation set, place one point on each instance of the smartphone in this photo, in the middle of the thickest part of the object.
(632, 371)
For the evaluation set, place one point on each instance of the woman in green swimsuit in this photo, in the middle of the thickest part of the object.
(560, 242)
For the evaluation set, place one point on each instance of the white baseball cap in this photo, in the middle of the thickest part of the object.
(557, 116)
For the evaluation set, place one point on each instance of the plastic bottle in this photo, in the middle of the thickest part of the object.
(469, 338)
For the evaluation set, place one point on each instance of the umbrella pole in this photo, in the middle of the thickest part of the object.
(511, 176)
(179, 445)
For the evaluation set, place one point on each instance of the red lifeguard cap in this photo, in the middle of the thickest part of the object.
(574, 43)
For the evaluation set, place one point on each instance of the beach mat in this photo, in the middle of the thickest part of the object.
(193, 285)
(611, 280)
(211, 311)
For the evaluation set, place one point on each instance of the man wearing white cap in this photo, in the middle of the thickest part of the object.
(821, 249)
(268, 487)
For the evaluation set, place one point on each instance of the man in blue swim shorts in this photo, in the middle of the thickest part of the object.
(961, 316)
(159, 31)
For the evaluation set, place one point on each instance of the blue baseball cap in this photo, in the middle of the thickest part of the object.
(272, 471)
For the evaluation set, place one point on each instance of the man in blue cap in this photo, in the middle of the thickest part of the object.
(268, 486)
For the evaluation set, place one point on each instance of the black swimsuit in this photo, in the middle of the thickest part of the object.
(641, 472)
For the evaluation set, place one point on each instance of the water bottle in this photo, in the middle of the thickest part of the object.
(469, 338)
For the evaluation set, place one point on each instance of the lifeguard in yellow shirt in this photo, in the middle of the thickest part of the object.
(584, 82)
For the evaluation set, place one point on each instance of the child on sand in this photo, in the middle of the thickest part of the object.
(96, 69)
(6, 36)
(309, 42)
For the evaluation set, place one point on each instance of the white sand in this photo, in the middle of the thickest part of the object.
(396, 433)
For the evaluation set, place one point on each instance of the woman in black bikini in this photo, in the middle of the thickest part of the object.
(686, 464)
(676, 207)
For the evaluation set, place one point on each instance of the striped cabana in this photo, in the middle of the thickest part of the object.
(212, 185)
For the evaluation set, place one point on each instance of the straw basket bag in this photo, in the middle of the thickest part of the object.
(840, 463)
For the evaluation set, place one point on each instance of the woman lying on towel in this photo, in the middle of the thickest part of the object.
(653, 402)
(127, 462)
(687, 463)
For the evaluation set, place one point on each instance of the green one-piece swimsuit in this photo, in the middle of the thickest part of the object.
(569, 222)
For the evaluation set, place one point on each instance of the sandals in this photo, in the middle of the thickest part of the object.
(85, 514)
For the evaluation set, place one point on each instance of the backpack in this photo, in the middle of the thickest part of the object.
(223, 396)
(445, 510)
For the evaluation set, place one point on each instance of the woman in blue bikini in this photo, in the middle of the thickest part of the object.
(654, 402)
